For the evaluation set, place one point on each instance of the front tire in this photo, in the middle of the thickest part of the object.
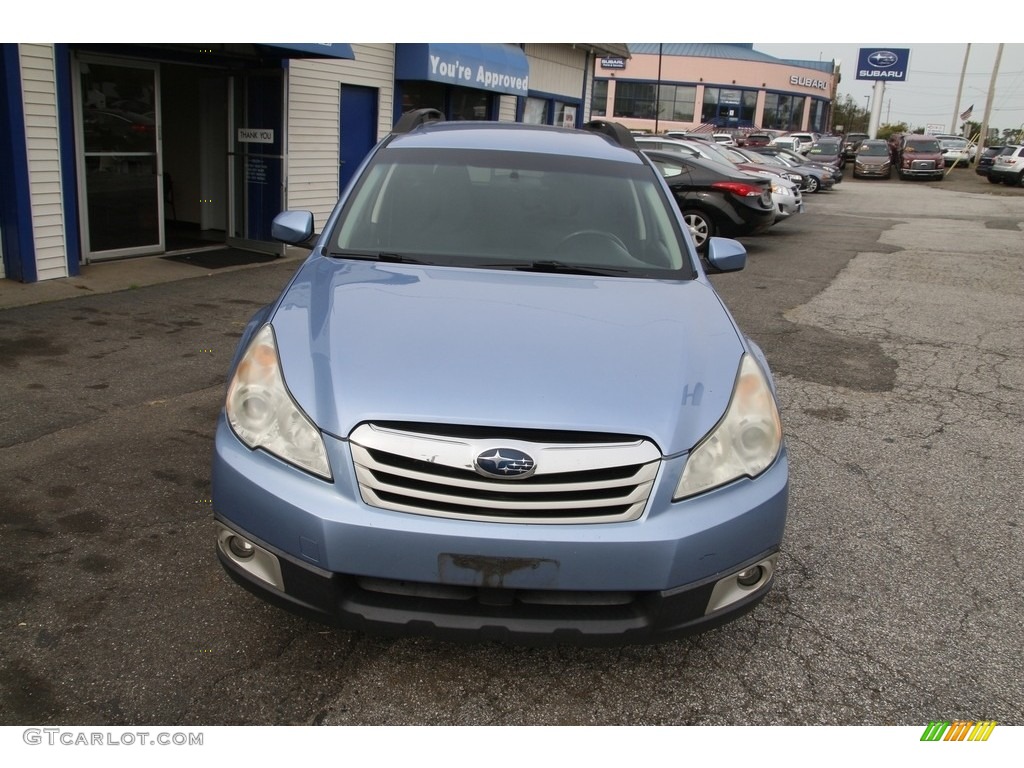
(701, 227)
(812, 185)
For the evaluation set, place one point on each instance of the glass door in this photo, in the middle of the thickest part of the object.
(118, 119)
(256, 172)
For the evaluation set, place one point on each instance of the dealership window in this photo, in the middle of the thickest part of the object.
(565, 114)
(674, 102)
(729, 107)
(819, 116)
(783, 112)
(453, 102)
(635, 100)
(535, 110)
(540, 111)
(599, 100)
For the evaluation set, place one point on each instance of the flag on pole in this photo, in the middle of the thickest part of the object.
(967, 112)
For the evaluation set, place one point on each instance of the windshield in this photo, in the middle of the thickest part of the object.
(825, 148)
(484, 208)
(873, 149)
(922, 145)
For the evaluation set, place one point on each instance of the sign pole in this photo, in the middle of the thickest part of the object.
(876, 108)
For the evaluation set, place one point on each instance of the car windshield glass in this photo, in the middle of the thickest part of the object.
(926, 145)
(880, 149)
(502, 209)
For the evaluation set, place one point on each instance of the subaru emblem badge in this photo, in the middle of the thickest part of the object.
(505, 464)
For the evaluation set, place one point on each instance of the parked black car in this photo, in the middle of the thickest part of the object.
(850, 144)
(827, 152)
(987, 158)
(714, 201)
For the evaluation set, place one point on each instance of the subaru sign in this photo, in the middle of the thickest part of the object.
(883, 64)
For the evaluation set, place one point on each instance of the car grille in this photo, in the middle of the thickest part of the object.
(923, 165)
(602, 478)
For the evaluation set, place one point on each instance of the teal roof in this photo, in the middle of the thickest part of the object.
(736, 51)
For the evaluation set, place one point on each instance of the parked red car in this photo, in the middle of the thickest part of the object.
(757, 140)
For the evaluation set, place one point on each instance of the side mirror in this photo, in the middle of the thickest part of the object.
(726, 255)
(293, 228)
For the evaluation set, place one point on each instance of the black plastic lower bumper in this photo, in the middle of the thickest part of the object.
(377, 606)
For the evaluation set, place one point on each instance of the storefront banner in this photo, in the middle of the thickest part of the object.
(497, 67)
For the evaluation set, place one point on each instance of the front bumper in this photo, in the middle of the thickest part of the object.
(322, 552)
(880, 171)
(787, 205)
(937, 172)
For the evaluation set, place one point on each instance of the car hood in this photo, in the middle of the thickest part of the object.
(364, 341)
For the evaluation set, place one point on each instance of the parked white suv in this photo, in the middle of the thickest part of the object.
(1009, 166)
(806, 140)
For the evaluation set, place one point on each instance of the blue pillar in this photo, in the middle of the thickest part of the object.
(15, 206)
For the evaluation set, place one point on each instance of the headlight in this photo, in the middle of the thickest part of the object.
(743, 444)
(261, 410)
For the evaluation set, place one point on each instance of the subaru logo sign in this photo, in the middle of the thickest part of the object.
(883, 59)
(505, 463)
(886, 64)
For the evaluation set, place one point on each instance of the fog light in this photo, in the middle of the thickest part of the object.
(750, 576)
(741, 585)
(241, 548)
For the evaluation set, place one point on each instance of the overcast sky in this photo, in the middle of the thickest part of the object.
(929, 93)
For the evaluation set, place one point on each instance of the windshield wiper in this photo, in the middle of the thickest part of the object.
(558, 267)
(384, 256)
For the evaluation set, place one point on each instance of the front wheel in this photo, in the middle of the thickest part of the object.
(701, 227)
(812, 184)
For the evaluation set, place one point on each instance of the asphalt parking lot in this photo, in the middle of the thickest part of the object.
(892, 314)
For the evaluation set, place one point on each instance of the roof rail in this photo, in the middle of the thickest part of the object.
(615, 131)
(415, 118)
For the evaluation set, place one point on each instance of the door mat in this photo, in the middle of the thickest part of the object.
(221, 257)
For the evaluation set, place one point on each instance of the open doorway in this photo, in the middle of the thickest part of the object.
(153, 158)
(194, 142)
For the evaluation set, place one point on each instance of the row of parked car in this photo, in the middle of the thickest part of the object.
(1002, 164)
(731, 191)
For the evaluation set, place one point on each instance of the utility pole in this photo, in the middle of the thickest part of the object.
(959, 91)
(988, 104)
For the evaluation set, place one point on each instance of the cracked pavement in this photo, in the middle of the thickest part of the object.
(892, 315)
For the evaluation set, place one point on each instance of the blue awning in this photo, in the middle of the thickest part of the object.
(315, 50)
(499, 67)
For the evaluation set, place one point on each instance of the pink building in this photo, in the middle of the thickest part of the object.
(682, 86)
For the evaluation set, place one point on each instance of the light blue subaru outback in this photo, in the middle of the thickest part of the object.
(501, 400)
